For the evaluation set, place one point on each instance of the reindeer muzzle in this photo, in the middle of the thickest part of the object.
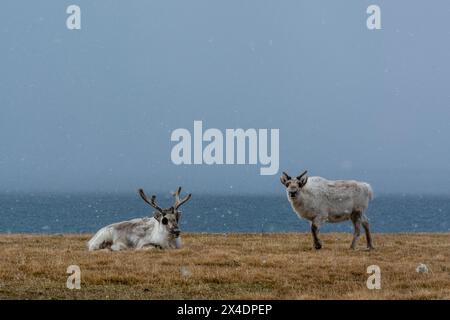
(292, 194)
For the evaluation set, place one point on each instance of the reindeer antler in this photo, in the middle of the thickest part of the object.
(303, 178)
(300, 176)
(178, 201)
(288, 177)
(151, 202)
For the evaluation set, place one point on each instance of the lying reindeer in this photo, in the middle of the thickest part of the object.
(319, 200)
(160, 231)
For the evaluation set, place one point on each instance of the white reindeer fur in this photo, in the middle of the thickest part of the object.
(323, 200)
(137, 233)
(320, 200)
(161, 230)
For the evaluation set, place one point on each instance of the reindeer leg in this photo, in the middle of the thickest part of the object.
(315, 234)
(356, 219)
(147, 248)
(118, 246)
(365, 223)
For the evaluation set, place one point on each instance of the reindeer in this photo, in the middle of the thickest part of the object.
(160, 231)
(319, 200)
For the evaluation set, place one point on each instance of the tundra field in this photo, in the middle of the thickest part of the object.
(228, 266)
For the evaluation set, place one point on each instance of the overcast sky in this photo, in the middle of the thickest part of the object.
(93, 109)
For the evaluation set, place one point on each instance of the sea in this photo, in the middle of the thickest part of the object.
(86, 213)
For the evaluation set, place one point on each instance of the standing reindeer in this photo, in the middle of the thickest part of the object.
(319, 200)
(161, 230)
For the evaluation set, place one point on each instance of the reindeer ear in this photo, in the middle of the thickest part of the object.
(303, 181)
(284, 178)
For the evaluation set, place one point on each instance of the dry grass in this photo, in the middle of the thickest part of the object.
(233, 266)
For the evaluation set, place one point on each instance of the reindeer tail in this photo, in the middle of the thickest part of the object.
(369, 190)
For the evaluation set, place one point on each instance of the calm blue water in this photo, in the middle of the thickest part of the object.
(80, 213)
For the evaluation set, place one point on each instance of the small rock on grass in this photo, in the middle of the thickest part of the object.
(422, 268)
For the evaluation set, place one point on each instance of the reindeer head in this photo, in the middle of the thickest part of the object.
(168, 217)
(293, 185)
